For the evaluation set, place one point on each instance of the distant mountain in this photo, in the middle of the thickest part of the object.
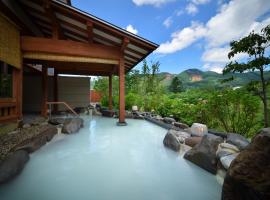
(195, 78)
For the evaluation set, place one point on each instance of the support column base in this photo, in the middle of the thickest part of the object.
(121, 123)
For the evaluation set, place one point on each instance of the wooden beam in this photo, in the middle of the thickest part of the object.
(124, 44)
(80, 17)
(56, 28)
(89, 25)
(69, 48)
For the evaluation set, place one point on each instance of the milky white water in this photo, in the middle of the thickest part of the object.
(104, 162)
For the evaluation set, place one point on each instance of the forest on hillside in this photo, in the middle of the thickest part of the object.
(235, 101)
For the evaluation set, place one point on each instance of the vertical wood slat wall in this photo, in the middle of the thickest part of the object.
(10, 53)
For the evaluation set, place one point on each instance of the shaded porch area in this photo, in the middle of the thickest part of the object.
(55, 36)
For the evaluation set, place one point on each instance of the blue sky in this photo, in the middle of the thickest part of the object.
(191, 33)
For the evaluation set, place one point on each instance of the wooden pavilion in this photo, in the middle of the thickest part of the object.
(54, 34)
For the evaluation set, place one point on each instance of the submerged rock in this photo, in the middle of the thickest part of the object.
(204, 153)
(248, 177)
(13, 165)
(72, 125)
(238, 140)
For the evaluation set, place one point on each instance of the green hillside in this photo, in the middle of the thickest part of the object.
(210, 79)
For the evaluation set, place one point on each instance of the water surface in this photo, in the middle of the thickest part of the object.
(104, 162)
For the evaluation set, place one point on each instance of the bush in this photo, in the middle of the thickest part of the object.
(235, 111)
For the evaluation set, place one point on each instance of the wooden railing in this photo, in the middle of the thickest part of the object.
(61, 103)
(8, 111)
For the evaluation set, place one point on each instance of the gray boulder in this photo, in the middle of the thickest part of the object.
(225, 149)
(198, 129)
(248, 177)
(238, 140)
(57, 121)
(180, 125)
(72, 125)
(204, 153)
(171, 141)
(193, 141)
(13, 165)
(35, 143)
(227, 160)
(168, 120)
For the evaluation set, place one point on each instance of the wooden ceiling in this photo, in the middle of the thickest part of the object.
(76, 25)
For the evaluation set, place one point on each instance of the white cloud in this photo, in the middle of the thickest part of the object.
(131, 29)
(220, 55)
(198, 2)
(182, 39)
(216, 55)
(156, 3)
(234, 20)
(179, 12)
(213, 68)
(168, 22)
(191, 9)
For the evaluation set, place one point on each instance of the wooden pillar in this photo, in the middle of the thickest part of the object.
(44, 92)
(110, 93)
(55, 90)
(17, 85)
(122, 121)
(19, 92)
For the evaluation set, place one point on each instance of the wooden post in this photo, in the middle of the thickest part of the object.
(44, 91)
(122, 121)
(110, 93)
(55, 90)
(19, 92)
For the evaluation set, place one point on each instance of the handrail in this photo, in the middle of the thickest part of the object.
(65, 104)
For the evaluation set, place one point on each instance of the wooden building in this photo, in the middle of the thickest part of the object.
(37, 35)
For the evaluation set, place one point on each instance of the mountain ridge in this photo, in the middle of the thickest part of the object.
(196, 78)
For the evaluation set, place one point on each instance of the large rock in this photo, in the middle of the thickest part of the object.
(72, 125)
(193, 141)
(38, 141)
(171, 141)
(227, 160)
(248, 177)
(198, 130)
(13, 165)
(180, 125)
(204, 153)
(107, 113)
(168, 120)
(225, 149)
(57, 121)
(238, 140)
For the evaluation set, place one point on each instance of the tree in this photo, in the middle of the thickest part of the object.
(176, 85)
(255, 45)
(235, 111)
(151, 87)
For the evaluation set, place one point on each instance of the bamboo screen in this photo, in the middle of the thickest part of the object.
(10, 51)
